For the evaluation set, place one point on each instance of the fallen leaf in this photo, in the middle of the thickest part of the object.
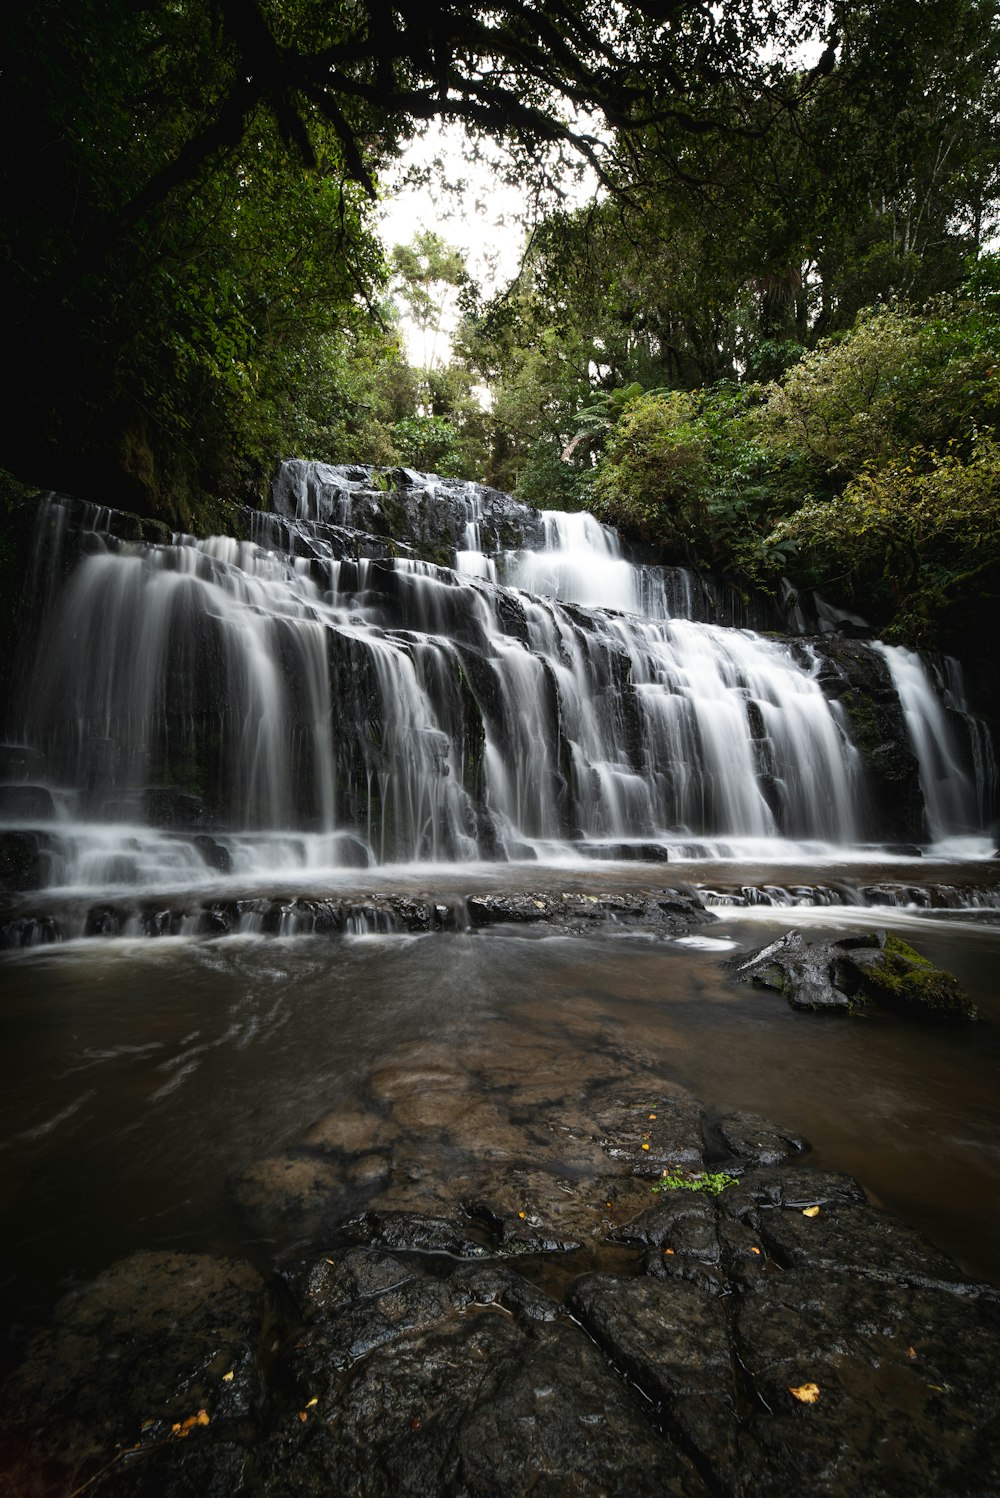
(668, 1250)
(227, 1378)
(202, 1418)
(303, 1416)
(330, 1261)
(652, 1115)
(522, 1215)
(312, 1401)
(810, 1211)
(911, 1352)
(805, 1393)
(645, 1146)
(755, 1250)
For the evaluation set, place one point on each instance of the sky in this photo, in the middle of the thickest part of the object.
(487, 219)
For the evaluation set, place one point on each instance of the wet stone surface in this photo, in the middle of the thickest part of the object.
(536, 1319)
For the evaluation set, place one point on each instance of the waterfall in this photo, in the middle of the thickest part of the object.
(317, 698)
(958, 772)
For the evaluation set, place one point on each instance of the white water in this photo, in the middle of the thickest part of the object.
(298, 714)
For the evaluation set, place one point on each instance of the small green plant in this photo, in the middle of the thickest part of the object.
(676, 1179)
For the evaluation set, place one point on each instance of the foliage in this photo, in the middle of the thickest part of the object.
(656, 468)
(895, 378)
(428, 443)
(711, 1182)
(686, 471)
(915, 538)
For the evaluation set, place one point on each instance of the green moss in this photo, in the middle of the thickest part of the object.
(908, 981)
(712, 1182)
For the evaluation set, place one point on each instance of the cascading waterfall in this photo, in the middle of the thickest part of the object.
(283, 705)
(956, 802)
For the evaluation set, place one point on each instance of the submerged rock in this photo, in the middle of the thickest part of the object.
(848, 973)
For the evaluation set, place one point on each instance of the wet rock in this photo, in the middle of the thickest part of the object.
(518, 1233)
(847, 973)
(164, 806)
(215, 855)
(411, 1231)
(751, 1140)
(672, 1341)
(669, 911)
(800, 973)
(897, 977)
(790, 1187)
(22, 861)
(836, 1233)
(648, 1132)
(26, 803)
(148, 1344)
(469, 1385)
(20, 762)
(688, 1244)
(906, 1387)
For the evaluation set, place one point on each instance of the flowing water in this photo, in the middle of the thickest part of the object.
(213, 735)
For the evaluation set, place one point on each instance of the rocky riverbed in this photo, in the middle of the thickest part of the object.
(523, 1282)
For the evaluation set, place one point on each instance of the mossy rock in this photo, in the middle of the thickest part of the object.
(898, 977)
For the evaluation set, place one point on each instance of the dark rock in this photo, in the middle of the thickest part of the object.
(21, 861)
(215, 855)
(463, 1388)
(672, 1341)
(847, 973)
(906, 1387)
(412, 1231)
(753, 1141)
(148, 1344)
(163, 806)
(648, 1132)
(21, 762)
(899, 978)
(789, 1187)
(26, 803)
(519, 1234)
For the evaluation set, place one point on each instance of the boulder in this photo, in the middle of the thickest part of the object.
(868, 966)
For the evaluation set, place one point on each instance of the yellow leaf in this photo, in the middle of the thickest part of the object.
(522, 1214)
(810, 1211)
(668, 1250)
(227, 1378)
(652, 1115)
(755, 1250)
(805, 1393)
(645, 1146)
(311, 1402)
(202, 1418)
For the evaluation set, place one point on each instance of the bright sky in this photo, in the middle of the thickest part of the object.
(486, 219)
